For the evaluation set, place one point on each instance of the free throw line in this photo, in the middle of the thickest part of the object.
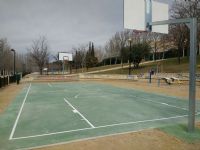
(19, 113)
(74, 109)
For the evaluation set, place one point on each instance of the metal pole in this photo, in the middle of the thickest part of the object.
(148, 14)
(192, 82)
(76, 61)
(14, 64)
(63, 65)
(193, 52)
(129, 72)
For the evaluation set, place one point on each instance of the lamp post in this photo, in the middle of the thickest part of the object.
(14, 60)
(129, 71)
(76, 61)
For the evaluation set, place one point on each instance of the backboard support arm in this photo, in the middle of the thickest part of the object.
(192, 64)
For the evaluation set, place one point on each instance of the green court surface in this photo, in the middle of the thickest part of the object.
(50, 113)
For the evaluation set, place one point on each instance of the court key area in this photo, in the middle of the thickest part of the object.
(52, 113)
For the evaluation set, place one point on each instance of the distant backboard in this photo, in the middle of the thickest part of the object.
(65, 56)
(135, 15)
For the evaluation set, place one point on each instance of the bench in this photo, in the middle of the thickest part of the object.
(167, 80)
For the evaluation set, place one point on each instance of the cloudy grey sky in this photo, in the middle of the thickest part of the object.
(65, 23)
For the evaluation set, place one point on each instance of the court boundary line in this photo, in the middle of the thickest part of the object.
(103, 126)
(143, 99)
(78, 112)
(161, 103)
(19, 113)
(86, 139)
(154, 93)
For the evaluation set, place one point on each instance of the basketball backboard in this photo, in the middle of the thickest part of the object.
(135, 14)
(160, 12)
(65, 56)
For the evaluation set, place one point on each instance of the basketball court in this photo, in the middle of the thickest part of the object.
(45, 114)
(50, 113)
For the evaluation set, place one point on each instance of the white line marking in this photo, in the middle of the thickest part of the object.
(143, 121)
(77, 95)
(144, 99)
(19, 113)
(85, 139)
(174, 106)
(49, 85)
(54, 133)
(74, 109)
(104, 126)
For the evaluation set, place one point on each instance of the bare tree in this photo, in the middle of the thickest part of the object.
(165, 44)
(99, 53)
(108, 54)
(180, 33)
(154, 39)
(80, 57)
(39, 52)
(121, 39)
(116, 44)
(5, 55)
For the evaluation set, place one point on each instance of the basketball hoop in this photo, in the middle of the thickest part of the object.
(65, 59)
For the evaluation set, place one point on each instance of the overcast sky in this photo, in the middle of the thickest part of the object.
(65, 23)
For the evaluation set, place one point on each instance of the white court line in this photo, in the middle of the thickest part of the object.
(144, 99)
(54, 133)
(19, 113)
(174, 106)
(79, 113)
(85, 139)
(104, 126)
(77, 95)
(49, 85)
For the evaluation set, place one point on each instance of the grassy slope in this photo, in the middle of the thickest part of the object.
(168, 66)
(180, 131)
(97, 68)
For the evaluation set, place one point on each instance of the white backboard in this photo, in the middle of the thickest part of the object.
(134, 15)
(65, 56)
(160, 12)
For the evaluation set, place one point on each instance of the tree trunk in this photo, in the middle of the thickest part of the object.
(155, 51)
(155, 55)
(179, 56)
(122, 64)
(40, 71)
(115, 60)
(163, 56)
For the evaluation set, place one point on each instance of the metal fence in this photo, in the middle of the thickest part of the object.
(5, 80)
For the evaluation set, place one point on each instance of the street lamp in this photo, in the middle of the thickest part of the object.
(76, 65)
(14, 60)
(129, 71)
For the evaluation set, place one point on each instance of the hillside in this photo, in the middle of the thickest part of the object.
(167, 66)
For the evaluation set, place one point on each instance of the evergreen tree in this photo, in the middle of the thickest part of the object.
(92, 50)
(91, 60)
